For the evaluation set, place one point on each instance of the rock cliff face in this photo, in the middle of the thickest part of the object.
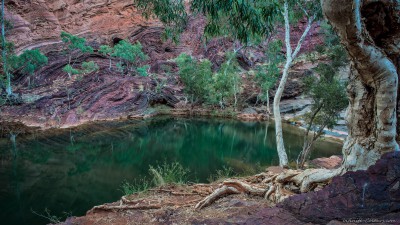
(39, 23)
(56, 100)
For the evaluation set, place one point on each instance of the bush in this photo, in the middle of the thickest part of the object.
(88, 67)
(142, 71)
(131, 55)
(226, 83)
(196, 76)
(70, 70)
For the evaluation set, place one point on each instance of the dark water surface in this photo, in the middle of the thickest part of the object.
(71, 170)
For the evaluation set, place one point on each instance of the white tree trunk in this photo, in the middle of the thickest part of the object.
(283, 159)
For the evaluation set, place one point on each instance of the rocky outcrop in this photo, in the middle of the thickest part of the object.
(374, 193)
(55, 100)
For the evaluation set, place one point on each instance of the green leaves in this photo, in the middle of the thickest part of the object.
(29, 61)
(75, 42)
(171, 13)
(70, 70)
(225, 83)
(201, 84)
(240, 19)
(142, 71)
(128, 52)
(89, 67)
(106, 50)
(196, 76)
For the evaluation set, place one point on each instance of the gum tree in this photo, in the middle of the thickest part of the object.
(370, 32)
(74, 43)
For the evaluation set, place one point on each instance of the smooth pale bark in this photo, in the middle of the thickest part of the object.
(283, 159)
(373, 83)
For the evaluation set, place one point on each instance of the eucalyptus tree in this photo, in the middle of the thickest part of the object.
(74, 43)
(310, 10)
(370, 32)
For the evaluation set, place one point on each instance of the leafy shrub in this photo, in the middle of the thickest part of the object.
(142, 71)
(131, 55)
(70, 70)
(88, 67)
(226, 83)
(74, 42)
(196, 76)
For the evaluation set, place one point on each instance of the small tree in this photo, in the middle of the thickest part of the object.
(5, 52)
(74, 43)
(196, 76)
(28, 62)
(226, 83)
(71, 70)
(143, 71)
(89, 67)
(130, 55)
(327, 92)
(107, 51)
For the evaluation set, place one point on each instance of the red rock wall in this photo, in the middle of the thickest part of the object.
(38, 23)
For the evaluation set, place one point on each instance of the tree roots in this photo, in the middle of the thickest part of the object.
(273, 187)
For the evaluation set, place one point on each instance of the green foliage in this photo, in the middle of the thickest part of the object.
(106, 50)
(88, 67)
(268, 74)
(171, 13)
(196, 76)
(120, 67)
(237, 18)
(70, 70)
(28, 62)
(75, 42)
(138, 186)
(169, 173)
(225, 83)
(131, 55)
(329, 98)
(142, 71)
(52, 218)
(328, 93)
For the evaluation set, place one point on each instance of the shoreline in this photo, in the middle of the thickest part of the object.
(333, 135)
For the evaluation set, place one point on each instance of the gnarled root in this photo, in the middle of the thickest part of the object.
(220, 192)
(274, 187)
(122, 206)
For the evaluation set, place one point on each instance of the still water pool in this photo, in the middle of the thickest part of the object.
(71, 170)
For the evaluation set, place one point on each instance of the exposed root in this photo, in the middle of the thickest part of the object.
(274, 187)
(123, 206)
(222, 191)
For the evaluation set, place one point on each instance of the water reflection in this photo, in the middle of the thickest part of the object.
(72, 170)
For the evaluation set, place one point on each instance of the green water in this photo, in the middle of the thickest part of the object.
(71, 170)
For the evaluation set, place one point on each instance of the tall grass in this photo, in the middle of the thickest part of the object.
(160, 175)
(169, 173)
